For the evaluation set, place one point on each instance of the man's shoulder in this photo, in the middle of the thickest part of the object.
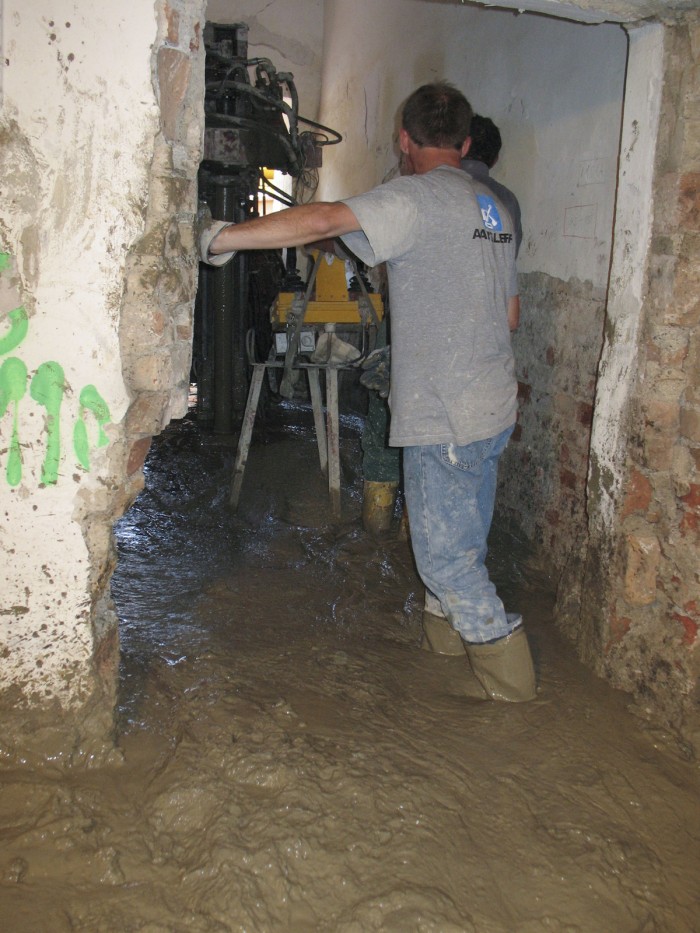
(502, 191)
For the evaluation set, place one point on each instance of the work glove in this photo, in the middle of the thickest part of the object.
(205, 229)
(376, 373)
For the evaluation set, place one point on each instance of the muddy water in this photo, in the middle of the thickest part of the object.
(292, 762)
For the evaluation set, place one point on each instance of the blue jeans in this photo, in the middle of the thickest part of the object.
(450, 494)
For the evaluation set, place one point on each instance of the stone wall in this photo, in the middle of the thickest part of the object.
(655, 604)
(631, 597)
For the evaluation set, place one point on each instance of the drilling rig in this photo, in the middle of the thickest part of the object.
(252, 129)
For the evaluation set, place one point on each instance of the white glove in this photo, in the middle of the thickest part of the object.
(205, 230)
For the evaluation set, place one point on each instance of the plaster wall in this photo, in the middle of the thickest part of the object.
(560, 149)
(74, 182)
(93, 151)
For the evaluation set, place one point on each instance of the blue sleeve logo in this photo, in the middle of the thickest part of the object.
(489, 213)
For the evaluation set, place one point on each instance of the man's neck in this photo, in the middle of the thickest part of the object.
(426, 158)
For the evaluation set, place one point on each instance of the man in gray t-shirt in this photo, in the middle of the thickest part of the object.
(481, 158)
(449, 247)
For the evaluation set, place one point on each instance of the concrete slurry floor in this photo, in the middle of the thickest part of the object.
(289, 760)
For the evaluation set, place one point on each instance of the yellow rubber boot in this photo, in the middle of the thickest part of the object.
(378, 506)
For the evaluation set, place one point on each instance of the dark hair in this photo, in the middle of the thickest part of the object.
(437, 115)
(486, 140)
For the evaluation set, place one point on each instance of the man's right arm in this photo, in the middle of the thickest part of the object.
(295, 226)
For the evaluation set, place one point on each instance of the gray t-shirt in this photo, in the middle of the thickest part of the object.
(450, 254)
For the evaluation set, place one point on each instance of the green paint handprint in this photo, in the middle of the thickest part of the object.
(90, 400)
(47, 389)
(19, 325)
(13, 385)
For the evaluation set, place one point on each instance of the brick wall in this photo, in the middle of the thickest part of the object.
(544, 470)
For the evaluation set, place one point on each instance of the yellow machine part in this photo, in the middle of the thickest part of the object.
(332, 304)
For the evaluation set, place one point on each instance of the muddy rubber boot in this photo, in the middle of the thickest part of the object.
(378, 506)
(439, 636)
(504, 668)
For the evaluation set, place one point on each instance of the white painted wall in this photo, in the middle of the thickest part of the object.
(288, 32)
(554, 88)
(78, 119)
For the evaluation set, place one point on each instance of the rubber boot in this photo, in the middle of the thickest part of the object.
(504, 668)
(378, 506)
(439, 636)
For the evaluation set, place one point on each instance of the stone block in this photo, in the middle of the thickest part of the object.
(150, 373)
(668, 346)
(691, 396)
(642, 569)
(695, 454)
(666, 192)
(524, 392)
(662, 416)
(689, 528)
(174, 69)
(568, 479)
(619, 627)
(158, 323)
(137, 455)
(146, 415)
(690, 424)
(684, 309)
(690, 621)
(662, 271)
(692, 364)
(173, 20)
(684, 470)
(690, 151)
(694, 35)
(692, 498)
(637, 494)
(584, 414)
(657, 452)
(689, 199)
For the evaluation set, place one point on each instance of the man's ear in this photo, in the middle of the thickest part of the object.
(466, 146)
(403, 141)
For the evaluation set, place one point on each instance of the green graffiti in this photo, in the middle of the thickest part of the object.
(47, 388)
(13, 386)
(90, 400)
(19, 325)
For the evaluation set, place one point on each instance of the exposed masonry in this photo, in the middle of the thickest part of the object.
(543, 476)
(629, 597)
